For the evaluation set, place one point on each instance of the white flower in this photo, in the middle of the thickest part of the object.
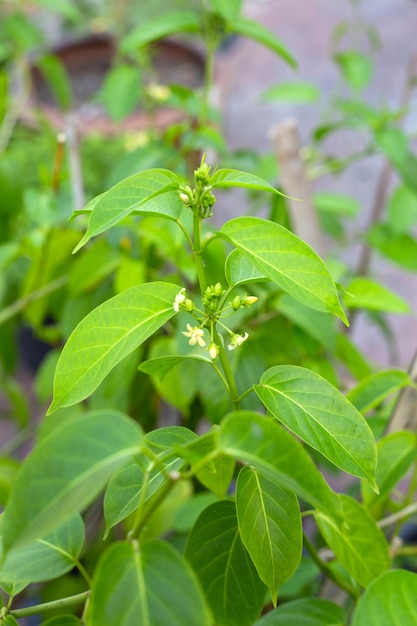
(213, 350)
(237, 341)
(196, 335)
(179, 299)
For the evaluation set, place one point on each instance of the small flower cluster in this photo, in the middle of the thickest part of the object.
(200, 197)
(210, 316)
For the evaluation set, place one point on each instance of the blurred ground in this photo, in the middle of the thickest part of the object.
(247, 69)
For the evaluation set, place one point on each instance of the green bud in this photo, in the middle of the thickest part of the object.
(218, 290)
(237, 302)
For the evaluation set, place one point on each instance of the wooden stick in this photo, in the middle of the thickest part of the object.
(286, 142)
(404, 415)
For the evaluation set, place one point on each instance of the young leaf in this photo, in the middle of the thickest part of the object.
(400, 248)
(270, 527)
(364, 293)
(147, 586)
(108, 334)
(233, 589)
(257, 32)
(286, 260)
(66, 471)
(125, 81)
(394, 144)
(300, 92)
(217, 475)
(336, 204)
(240, 271)
(145, 193)
(262, 442)
(306, 611)
(373, 389)
(321, 416)
(390, 600)
(46, 558)
(124, 491)
(356, 68)
(228, 10)
(356, 540)
(402, 209)
(168, 23)
(396, 453)
(224, 179)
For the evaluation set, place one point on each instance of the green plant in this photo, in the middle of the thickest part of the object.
(208, 528)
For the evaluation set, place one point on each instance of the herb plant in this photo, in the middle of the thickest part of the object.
(207, 528)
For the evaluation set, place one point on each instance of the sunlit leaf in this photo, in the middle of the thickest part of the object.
(364, 293)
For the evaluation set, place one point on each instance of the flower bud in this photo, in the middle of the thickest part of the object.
(249, 300)
(213, 350)
(237, 302)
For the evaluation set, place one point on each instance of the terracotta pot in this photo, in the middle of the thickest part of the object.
(87, 62)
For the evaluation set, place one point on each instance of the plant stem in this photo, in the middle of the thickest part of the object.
(327, 571)
(234, 394)
(63, 603)
(399, 516)
(198, 259)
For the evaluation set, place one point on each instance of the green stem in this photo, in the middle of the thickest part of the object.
(84, 573)
(159, 498)
(198, 259)
(234, 394)
(327, 571)
(63, 603)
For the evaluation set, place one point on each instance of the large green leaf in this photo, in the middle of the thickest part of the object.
(262, 442)
(233, 589)
(168, 23)
(305, 612)
(108, 334)
(373, 389)
(364, 293)
(144, 193)
(45, 558)
(270, 527)
(321, 416)
(356, 540)
(286, 260)
(124, 492)
(257, 32)
(391, 600)
(66, 471)
(396, 452)
(150, 586)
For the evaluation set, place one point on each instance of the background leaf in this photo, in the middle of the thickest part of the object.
(107, 335)
(373, 389)
(364, 293)
(391, 600)
(66, 471)
(262, 442)
(149, 586)
(356, 540)
(257, 32)
(233, 589)
(306, 611)
(46, 558)
(270, 527)
(168, 23)
(223, 179)
(286, 260)
(321, 416)
(299, 92)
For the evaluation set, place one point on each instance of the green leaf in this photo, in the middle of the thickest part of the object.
(356, 540)
(400, 248)
(321, 416)
(233, 589)
(373, 389)
(270, 527)
(257, 32)
(402, 209)
(66, 471)
(306, 611)
(294, 91)
(46, 558)
(396, 453)
(262, 442)
(57, 77)
(336, 204)
(286, 260)
(108, 334)
(186, 516)
(228, 10)
(391, 600)
(9, 620)
(224, 179)
(149, 586)
(8, 472)
(66, 8)
(124, 492)
(145, 193)
(160, 366)
(218, 475)
(364, 293)
(315, 323)
(121, 91)
(168, 23)
(90, 268)
(394, 144)
(240, 271)
(356, 68)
